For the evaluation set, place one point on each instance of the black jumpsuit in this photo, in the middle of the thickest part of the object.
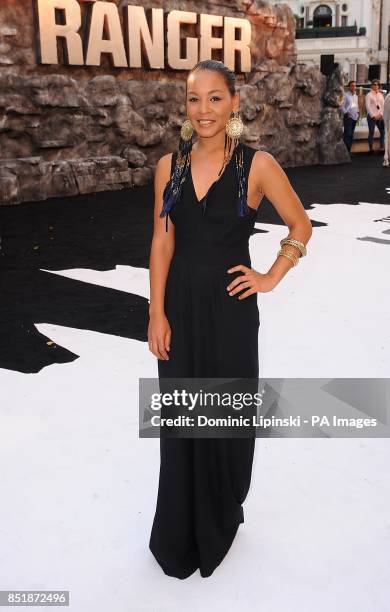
(204, 481)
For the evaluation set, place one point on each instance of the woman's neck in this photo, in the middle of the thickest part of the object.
(203, 146)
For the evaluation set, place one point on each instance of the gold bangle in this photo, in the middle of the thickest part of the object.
(284, 249)
(295, 243)
(292, 253)
(290, 256)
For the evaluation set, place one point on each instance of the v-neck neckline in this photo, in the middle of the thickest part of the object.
(214, 182)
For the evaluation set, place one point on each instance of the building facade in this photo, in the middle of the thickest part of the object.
(354, 31)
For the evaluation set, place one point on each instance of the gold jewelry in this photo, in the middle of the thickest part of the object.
(295, 243)
(234, 127)
(293, 253)
(290, 255)
(187, 130)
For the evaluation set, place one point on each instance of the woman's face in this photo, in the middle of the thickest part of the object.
(209, 98)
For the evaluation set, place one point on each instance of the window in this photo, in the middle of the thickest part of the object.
(322, 16)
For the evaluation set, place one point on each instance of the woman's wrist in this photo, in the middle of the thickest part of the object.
(273, 278)
(282, 268)
(156, 311)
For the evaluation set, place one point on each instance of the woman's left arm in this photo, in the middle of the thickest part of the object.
(274, 183)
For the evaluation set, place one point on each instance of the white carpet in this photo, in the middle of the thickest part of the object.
(79, 486)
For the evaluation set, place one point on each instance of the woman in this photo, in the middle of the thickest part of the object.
(203, 309)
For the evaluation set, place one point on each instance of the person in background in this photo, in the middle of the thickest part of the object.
(350, 110)
(375, 103)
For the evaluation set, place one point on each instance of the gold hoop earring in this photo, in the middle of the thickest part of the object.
(234, 127)
(187, 130)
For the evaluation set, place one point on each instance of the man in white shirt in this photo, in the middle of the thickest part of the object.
(350, 110)
(375, 103)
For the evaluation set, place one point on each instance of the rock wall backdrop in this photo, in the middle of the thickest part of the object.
(68, 130)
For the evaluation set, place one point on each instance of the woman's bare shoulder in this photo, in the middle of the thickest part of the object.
(266, 165)
(163, 167)
(165, 161)
(264, 158)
